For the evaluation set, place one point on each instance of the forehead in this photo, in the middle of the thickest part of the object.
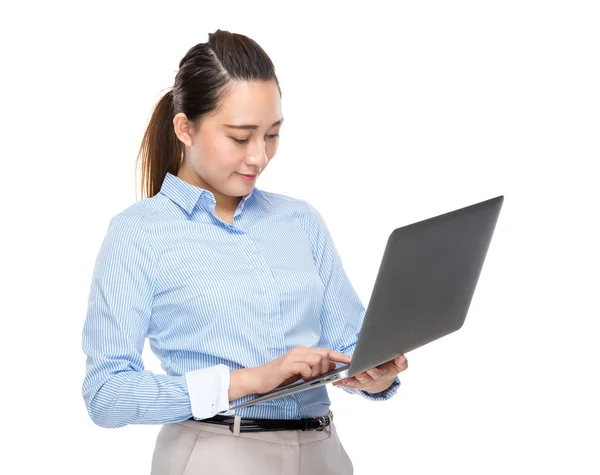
(256, 103)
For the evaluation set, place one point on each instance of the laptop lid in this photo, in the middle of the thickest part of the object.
(426, 280)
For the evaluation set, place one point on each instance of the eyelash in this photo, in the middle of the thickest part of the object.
(271, 136)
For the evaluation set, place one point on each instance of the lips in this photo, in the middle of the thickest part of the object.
(248, 178)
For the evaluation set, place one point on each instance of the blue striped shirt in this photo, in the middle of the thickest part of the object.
(211, 297)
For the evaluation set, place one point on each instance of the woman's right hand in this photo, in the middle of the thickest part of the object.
(298, 363)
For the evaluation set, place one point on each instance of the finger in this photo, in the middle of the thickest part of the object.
(400, 363)
(392, 369)
(314, 360)
(339, 357)
(376, 373)
(320, 364)
(316, 369)
(344, 382)
(303, 370)
(326, 364)
(356, 383)
(389, 366)
(364, 378)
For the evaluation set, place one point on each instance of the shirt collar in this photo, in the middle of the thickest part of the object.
(187, 195)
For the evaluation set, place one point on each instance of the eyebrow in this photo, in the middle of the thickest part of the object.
(251, 126)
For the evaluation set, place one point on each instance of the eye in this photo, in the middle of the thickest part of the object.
(242, 141)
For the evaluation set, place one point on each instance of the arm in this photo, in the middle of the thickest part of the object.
(117, 390)
(342, 312)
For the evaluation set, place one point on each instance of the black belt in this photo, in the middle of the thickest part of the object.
(259, 425)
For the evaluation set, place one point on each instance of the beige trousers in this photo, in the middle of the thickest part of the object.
(198, 448)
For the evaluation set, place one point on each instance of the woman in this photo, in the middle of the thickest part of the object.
(239, 290)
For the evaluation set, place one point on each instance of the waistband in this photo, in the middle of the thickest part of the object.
(260, 425)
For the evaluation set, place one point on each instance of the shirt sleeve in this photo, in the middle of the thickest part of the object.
(117, 390)
(342, 311)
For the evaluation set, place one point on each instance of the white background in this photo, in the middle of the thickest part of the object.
(394, 112)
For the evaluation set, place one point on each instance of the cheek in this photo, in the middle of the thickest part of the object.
(223, 147)
(222, 155)
(272, 149)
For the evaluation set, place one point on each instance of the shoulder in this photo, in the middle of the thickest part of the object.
(307, 214)
(303, 208)
(132, 219)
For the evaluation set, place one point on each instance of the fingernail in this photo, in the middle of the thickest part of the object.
(402, 359)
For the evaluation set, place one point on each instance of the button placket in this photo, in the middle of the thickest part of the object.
(269, 289)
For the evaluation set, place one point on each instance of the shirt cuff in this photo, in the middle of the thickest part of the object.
(208, 389)
(383, 395)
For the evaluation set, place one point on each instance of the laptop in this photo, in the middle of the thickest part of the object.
(423, 290)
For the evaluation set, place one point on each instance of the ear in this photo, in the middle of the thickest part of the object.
(183, 129)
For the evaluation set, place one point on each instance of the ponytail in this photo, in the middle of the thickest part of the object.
(161, 151)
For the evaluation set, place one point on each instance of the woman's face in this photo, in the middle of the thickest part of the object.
(240, 138)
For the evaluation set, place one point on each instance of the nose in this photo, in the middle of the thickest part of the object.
(261, 161)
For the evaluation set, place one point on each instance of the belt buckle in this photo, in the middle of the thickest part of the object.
(321, 423)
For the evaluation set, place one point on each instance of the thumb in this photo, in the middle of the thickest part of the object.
(399, 360)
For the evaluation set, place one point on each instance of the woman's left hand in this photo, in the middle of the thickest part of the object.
(377, 379)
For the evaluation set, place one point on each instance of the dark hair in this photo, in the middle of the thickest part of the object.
(201, 84)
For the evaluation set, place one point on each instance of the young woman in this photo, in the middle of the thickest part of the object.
(239, 290)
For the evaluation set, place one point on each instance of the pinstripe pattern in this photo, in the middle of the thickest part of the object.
(205, 292)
